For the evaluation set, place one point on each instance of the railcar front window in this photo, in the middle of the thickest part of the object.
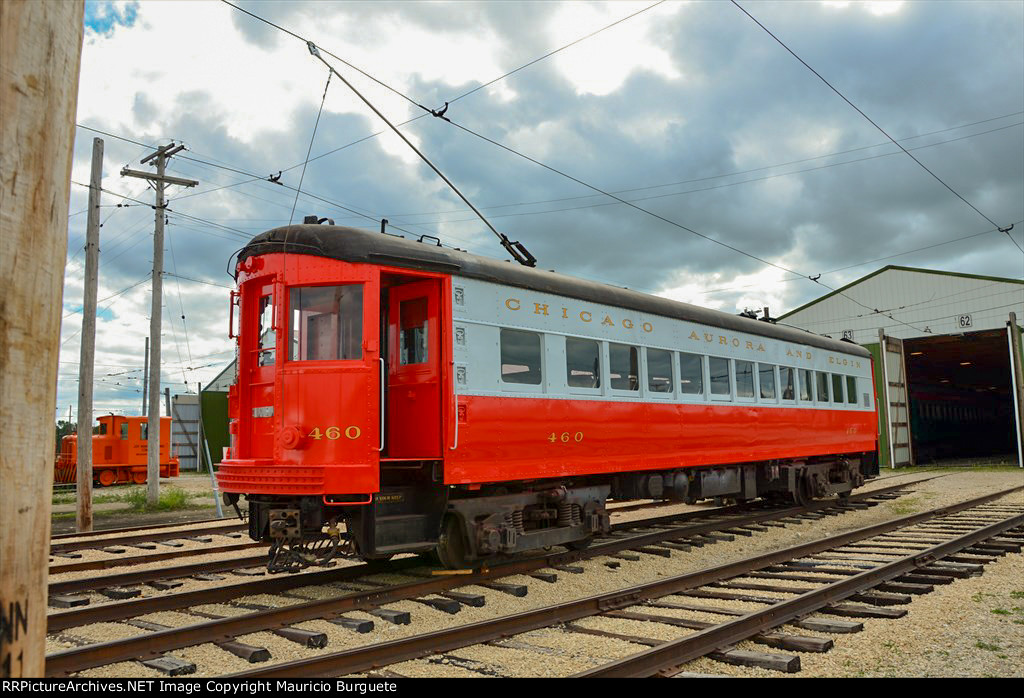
(582, 363)
(851, 390)
(786, 379)
(623, 367)
(691, 374)
(766, 377)
(659, 371)
(719, 370)
(520, 357)
(124, 431)
(744, 379)
(326, 323)
(144, 431)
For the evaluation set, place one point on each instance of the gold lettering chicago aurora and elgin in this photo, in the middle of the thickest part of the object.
(582, 315)
(515, 304)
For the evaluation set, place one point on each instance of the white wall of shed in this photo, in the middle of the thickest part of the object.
(918, 301)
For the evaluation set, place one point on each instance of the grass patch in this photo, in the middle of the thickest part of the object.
(171, 499)
(1001, 612)
(986, 646)
(1017, 594)
(905, 505)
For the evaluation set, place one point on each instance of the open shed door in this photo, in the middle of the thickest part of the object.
(897, 400)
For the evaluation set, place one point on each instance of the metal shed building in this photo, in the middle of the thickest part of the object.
(950, 387)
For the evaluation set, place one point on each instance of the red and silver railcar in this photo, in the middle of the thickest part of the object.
(396, 396)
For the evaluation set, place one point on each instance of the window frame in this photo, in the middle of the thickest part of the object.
(510, 386)
(721, 397)
(736, 380)
(625, 392)
(646, 379)
(702, 362)
(289, 328)
(776, 388)
(796, 386)
(601, 367)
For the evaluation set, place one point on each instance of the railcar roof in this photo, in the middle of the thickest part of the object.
(371, 247)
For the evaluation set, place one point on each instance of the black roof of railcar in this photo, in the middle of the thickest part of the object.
(369, 247)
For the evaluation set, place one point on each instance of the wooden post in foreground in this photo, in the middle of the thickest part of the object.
(40, 56)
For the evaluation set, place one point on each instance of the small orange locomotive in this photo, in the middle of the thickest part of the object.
(118, 452)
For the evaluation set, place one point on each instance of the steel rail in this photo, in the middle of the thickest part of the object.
(111, 563)
(665, 659)
(166, 602)
(130, 529)
(126, 578)
(144, 538)
(374, 656)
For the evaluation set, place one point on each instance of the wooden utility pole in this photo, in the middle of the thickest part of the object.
(87, 360)
(159, 180)
(145, 379)
(40, 56)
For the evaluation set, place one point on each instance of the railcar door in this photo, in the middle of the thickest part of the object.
(414, 371)
(259, 350)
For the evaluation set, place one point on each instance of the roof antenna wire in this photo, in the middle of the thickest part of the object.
(516, 249)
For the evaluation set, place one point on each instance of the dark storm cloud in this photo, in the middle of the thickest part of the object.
(741, 102)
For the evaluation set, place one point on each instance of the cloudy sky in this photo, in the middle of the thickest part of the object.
(689, 110)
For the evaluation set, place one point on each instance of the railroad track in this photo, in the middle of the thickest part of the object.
(659, 536)
(131, 529)
(125, 585)
(874, 587)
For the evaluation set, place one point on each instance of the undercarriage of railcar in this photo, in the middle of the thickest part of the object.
(468, 525)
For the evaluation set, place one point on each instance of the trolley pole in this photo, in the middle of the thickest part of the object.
(40, 51)
(159, 180)
(83, 479)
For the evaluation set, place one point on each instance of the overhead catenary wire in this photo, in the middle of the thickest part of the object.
(315, 52)
(516, 249)
(880, 129)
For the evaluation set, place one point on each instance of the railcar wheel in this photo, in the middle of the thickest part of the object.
(451, 545)
(139, 478)
(803, 494)
(107, 478)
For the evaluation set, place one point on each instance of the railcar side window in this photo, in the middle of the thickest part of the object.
(582, 363)
(851, 390)
(124, 431)
(623, 367)
(326, 323)
(144, 431)
(691, 374)
(744, 379)
(659, 371)
(268, 337)
(766, 379)
(806, 385)
(837, 388)
(520, 357)
(822, 386)
(786, 383)
(719, 371)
